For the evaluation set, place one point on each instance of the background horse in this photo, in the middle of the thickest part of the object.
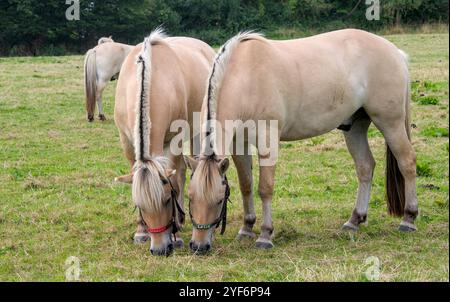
(310, 86)
(166, 84)
(101, 65)
(105, 40)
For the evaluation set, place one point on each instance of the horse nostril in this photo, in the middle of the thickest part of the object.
(207, 247)
(152, 251)
(170, 247)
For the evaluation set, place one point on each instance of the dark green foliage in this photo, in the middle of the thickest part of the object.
(35, 27)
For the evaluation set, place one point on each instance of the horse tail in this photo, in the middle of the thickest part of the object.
(216, 78)
(147, 187)
(395, 182)
(90, 82)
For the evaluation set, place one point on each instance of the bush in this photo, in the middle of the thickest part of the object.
(36, 27)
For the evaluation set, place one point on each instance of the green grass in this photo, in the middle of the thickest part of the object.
(58, 197)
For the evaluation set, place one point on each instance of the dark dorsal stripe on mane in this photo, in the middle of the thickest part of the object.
(222, 50)
(144, 72)
(141, 109)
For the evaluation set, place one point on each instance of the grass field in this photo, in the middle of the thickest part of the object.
(58, 197)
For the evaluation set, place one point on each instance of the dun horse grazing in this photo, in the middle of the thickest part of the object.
(346, 79)
(101, 65)
(166, 83)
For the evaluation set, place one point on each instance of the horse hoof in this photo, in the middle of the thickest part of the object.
(141, 238)
(90, 119)
(407, 227)
(102, 117)
(178, 244)
(242, 235)
(264, 244)
(348, 226)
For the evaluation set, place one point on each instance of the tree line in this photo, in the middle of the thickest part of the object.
(35, 27)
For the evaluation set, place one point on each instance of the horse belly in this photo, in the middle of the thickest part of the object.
(317, 116)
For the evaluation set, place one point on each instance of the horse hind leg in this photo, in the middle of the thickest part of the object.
(400, 166)
(401, 157)
(358, 146)
(100, 87)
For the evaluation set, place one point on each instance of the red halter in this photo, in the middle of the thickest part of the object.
(160, 229)
(173, 223)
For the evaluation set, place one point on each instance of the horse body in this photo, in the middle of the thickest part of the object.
(311, 86)
(166, 84)
(328, 77)
(102, 64)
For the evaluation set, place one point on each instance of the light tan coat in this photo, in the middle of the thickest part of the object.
(310, 86)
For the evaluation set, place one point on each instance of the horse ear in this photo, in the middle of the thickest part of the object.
(223, 165)
(191, 162)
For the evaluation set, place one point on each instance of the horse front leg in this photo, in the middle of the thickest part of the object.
(265, 190)
(141, 235)
(243, 165)
(180, 180)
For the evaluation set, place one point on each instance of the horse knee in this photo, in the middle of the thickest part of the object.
(365, 171)
(246, 188)
(407, 165)
(265, 193)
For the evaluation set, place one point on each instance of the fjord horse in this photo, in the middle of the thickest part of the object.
(162, 80)
(346, 79)
(101, 65)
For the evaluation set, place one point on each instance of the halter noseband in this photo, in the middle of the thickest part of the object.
(173, 223)
(223, 213)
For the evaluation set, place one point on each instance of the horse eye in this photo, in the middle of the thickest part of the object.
(164, 181)
(220, 201)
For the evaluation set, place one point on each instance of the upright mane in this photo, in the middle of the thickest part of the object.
(147, 187)
(215, 81)
(207, 174)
